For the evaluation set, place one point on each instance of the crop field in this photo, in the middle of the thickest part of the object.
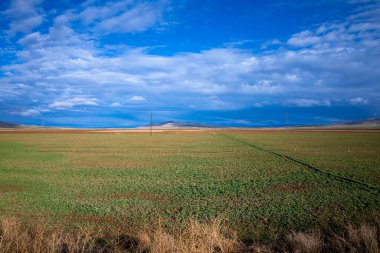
(246, 177)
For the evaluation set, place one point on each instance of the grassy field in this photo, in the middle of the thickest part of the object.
(104, 178)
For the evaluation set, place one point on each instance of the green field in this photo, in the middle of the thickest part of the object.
(103, 178)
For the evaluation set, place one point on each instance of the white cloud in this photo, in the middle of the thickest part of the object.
(339, 35)
(358, 101)
(270, 43)
(302, 102)
(292, 78)
(29, 112)
(217, 103)
(303, 39)
(359, 27)
(115, 104)
(136, 98)
(24, 15)
(135, 20)
(29, 39)
(25, 25)
(262, 87)
(69, 103)
(122, 17)
(32, 112)
(22, 8)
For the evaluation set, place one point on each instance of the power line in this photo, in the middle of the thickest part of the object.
(151, 123)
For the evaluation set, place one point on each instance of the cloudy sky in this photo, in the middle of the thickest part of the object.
(223, 62)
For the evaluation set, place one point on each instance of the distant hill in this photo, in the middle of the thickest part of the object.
(359, 123)
(177, 125)
(368, 122)
(9, 125)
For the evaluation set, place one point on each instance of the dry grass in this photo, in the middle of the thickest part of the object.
(364, 238)
(210, 237)
(194, 237)
(16, 236)
(305, 242)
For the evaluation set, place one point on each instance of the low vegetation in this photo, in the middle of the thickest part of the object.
(35, 237)
(97, 181)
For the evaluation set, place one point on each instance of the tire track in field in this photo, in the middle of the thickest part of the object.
(361, 185)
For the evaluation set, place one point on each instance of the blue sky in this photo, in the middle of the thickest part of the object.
(230, 63)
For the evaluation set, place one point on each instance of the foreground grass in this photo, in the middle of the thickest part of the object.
(36, 237)
(106, 179)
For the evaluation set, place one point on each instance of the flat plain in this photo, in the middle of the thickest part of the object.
(247, 177)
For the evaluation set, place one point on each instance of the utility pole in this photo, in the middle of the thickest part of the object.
(151, 123)
(286, 120)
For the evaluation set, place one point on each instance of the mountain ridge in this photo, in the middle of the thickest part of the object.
(372, 122)
(177, 124)
(4, 124)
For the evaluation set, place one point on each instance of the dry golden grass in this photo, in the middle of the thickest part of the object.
(194, 237)
(16, 236)
(364, 238)
(209, 237)
(305, 242)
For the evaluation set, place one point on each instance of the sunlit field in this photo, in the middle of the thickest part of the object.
(244, 178)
